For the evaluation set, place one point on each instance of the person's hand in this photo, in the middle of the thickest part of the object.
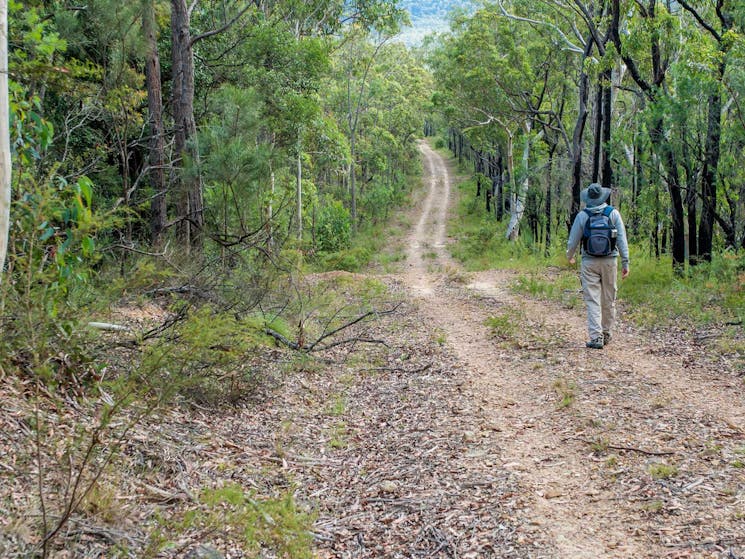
(572, 260)
(624, 273)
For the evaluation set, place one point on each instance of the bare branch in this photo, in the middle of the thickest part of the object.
(691, 10)
(227, 25)
(571, 46)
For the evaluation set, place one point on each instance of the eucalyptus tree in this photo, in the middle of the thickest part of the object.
(499, 70)
(648, 46)
(5, 164)
(717, 20)
(157, 152)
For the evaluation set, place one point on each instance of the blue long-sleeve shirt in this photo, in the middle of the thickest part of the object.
(578, 227)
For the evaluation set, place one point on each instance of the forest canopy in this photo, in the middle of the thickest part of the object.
(643, 97)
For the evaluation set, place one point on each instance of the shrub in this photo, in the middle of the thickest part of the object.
(333, 231)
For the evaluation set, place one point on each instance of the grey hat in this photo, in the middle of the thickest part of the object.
(594, 195)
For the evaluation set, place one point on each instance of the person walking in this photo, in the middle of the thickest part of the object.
(600, 231)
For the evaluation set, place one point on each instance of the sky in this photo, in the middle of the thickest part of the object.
(428, 16)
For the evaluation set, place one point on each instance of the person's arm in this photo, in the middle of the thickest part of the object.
(575, 236)
(622, 244)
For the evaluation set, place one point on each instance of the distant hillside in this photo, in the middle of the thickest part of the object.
(429, 16)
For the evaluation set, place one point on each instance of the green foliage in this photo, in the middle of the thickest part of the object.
(480, 238)
(660, 471)
(567, 392)
(333, 231)
(51, 257)
(274, 524)
(709, 293)
(503, 326)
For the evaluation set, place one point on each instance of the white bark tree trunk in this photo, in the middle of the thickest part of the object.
(5, 170)
(517, 198)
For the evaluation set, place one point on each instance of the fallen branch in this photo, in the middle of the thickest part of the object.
(352, 341)
(109, 327)
(281, 339)
(401, 369)
(318, 346)
(115, 537)
(348, 324)
(620, 447)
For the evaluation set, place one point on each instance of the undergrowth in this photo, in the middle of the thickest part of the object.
(652, 295)
(373, 245)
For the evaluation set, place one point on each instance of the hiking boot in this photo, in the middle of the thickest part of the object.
(595, 343)
(607, 338)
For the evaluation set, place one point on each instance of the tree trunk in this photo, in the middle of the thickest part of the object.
(691, 198)
(353, 182)
(598, 132)
(519, 196)
(189, 198)
(638, 184)
(299, 191)
(549, 195)
(709, 175)
(158, 209)
(5, 162)
(577, 138)
(607, 168)
(667, 157)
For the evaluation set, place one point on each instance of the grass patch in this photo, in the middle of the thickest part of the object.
(566, 391)
(707, 294)
(653, 506)
(338, 406)
(339, 436)
(561, 285)
(600, 445)
(480, 239)
(662, 471)
(712, 293)
(503, 326)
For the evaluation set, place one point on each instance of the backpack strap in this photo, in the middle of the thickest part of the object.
(608, 210)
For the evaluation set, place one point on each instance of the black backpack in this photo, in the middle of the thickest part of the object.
(599, 236)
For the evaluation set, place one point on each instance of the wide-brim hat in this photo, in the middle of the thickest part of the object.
(594, 195)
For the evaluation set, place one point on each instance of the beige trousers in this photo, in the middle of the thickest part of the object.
(599, 276)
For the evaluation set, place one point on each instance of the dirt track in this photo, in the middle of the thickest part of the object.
(642, 459)
(434, 435)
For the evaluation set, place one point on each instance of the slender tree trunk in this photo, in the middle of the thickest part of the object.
(479, 170)
(158, 209)
(598, 132)
(189, 201)
(5, 162)
(299, 191)
(549, 195)
(518, 197)
(353, 182)
(503, 178)
(607, 168)
(709, 175)
(579, 132)
(637, 184)
(669, 162)
(691, 198)
(657, 221)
